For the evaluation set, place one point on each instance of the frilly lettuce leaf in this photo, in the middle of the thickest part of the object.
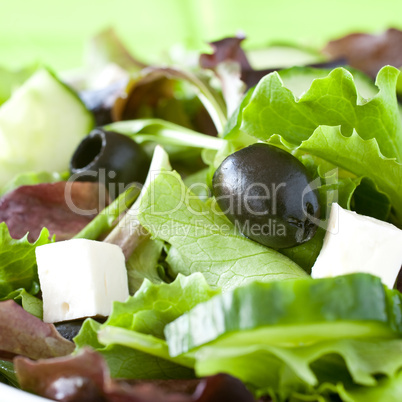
(285, 372)
(354, 369)
(331, 101)
(155, 305)
(331, 187)
(362, 158)
(18, 262)
(146, 314)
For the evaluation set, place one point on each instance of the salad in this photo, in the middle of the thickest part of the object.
(209, 193)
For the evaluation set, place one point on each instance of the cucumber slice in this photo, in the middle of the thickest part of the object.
(291, 313)
(283, 56)
(40, 127)
(299, 79)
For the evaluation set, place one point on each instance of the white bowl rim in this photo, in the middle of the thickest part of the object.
(11, 394)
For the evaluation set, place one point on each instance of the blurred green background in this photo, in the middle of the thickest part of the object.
(54, 32)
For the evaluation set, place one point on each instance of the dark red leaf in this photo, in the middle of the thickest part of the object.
(222, 388)
(24, 334)
(64, 208)
(368, 53)
(227, 49)
(86, 377)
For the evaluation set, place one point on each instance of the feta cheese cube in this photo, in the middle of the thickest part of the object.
(358, 243)
(80, 278)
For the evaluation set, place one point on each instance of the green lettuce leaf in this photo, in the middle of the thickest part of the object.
(369, 200)
(332, 101)
(198, 184)
(205, 241)
(29, 303)
(18, 262)
(7, 374)
(299, 79)
(108, 217)
(143, 263)
(164, 133)
(352, 368)
(365, 369)
(145, 315)
(124, 362)
(155, 305)
(360, 157)
(332, 187)
(386, 389)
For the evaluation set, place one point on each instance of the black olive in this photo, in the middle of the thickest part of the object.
(69, 329)
(265, 192)
(110, 158)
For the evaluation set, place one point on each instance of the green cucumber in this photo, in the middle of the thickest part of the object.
(283, 55)
(299, 79)
(40, 127)
(291, 313)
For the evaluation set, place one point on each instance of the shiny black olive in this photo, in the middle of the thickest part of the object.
(266, 193)
(110, 158)
(69, 329)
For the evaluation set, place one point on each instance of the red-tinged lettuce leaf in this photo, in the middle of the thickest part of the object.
(62, 376)
(64, 208)
(100, 101)
(229, 62)
(368, 53)
(23, 334)
(18, 263)
(86, 377)
(227, 49)
(153, 94)
(31, 178)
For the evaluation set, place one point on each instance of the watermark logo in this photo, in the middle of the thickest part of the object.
(258, 201)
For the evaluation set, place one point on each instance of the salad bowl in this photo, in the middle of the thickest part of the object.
(10, 394)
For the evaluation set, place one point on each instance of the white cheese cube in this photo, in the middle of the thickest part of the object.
(80, 278)
(358, 243)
